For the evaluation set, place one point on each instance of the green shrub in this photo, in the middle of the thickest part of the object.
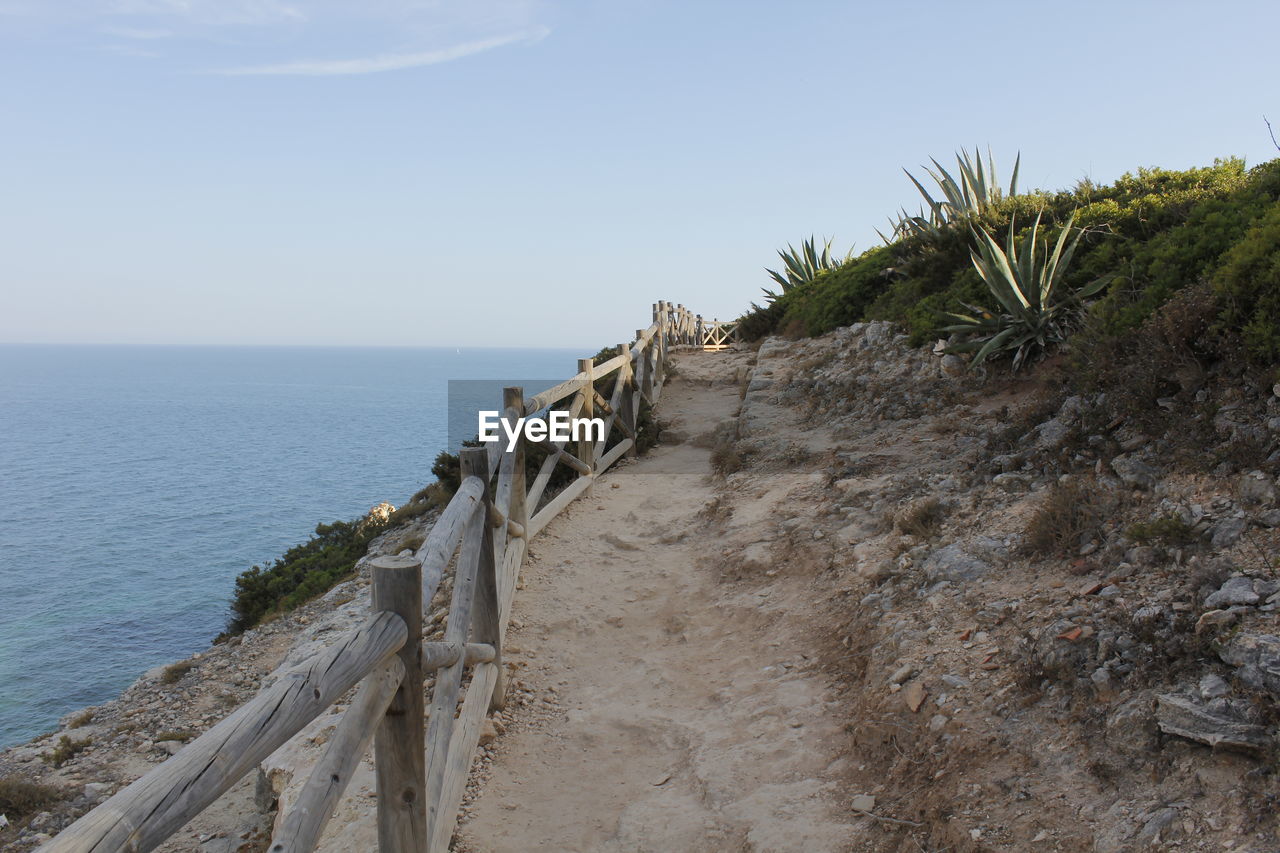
(303, 572)
(65, 750)
(841, 296)
(1166, 530)
(1248, 281)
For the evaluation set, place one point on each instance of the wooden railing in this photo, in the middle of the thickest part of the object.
(422, 759)
(689, 329)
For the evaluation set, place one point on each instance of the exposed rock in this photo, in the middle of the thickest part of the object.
(1213, 686)
(1155, 823)
(914, 695)
(953, 563)
(1051, 434)
(1012, 480)
(953, 365)
(1211, 619)
(1192, 719)
(1227, 532)
(1237, 590)
(903, 673)
(1256, 488)
(1134, 473)
(488, 732)
(1257, 660)
(1131, 727)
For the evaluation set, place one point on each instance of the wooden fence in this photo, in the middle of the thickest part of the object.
(689, 329)
(422, 760)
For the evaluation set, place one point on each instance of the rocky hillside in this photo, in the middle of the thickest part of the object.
(1056, 628)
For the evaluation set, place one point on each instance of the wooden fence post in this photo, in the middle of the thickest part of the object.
(476, 539)
(644, 368)
(399, 743)
(626, 408)
(587, 447)
(513, 398)
(516, 510)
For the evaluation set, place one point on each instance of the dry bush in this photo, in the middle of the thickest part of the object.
(173, 672)
(182, 735)
(19, 798)
(1068, 513)
(413, 543)
(922, 518)
(725, 458)
(82, 719)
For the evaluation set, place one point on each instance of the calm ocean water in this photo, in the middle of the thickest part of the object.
(136, 482)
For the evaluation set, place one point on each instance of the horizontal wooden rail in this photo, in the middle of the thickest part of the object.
(147, 812)
(307, 819)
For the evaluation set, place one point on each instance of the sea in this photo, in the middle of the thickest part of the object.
(136, 482)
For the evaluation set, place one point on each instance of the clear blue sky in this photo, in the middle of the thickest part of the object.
(515, 172)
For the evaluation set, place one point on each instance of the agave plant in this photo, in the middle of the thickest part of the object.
(1036, 309)
(800, 267)
(975, 190)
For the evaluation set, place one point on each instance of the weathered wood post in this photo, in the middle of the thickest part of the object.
(660, 353)
(511, 500)
(486, 624)
(513, 398)
(644, 368)
(626, 408)
(699, 338)
(399, 743)
(476, 540)
(586, 446)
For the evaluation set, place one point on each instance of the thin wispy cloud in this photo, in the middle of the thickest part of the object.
(138, 33)
(387, 62)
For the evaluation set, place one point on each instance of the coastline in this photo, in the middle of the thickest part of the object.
(110, 744)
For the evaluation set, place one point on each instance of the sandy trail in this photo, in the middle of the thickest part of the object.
(685, 715)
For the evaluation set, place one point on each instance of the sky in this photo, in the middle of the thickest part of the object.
(538, 172)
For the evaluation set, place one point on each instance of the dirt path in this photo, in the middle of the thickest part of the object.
(678, 712)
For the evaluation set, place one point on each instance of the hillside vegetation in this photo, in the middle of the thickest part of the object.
(1138, 242)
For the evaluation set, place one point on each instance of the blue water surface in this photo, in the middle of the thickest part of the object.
(136, 482)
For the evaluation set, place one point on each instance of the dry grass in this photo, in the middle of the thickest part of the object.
(1069, 513)
(725, 458)
(19, 798)
(413, 543)
(173, 672)
(182, 735)
(922, 518)
(82, 719)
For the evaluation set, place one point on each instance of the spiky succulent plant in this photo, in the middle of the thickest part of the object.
(800, 267)
(965, 195)
(1036, 310)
